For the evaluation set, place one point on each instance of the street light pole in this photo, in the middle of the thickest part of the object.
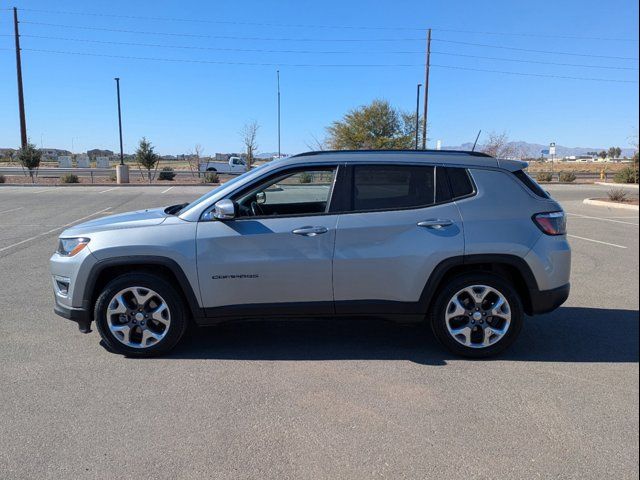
(278, 77)
(417, 113)
(117, 79)
(425, 115)
(122, 170)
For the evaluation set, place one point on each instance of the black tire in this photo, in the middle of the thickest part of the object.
(176, 328)
(437, 314)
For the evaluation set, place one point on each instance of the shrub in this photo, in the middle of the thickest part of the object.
(305, 177)
(544, 177)
(166, 173)
(210, 177)
(69, 178)
(2, 179)
(113, 177)
(30, 157)
(617, 195)
(567, 177)
(626, 175)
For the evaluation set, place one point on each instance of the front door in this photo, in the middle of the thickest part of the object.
(275, 257)
(400, 225)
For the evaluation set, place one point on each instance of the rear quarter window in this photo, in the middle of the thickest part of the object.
(461, 184)
(530, 183)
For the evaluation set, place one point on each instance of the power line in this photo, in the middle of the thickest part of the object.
(536, 74)
(342, 27)
(554, 52)
(321, 65)
(315, 52)
(215, 62)
(560, 64)
(197, 35)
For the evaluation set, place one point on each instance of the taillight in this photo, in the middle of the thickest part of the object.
(551, 223)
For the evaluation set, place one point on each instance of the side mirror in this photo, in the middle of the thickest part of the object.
(261, 198)
(224, 210)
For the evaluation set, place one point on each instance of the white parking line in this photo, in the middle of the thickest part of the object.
(108, 190)
(603, 219)
(596, 241)
(53, 230)
(165, 191)
(12, 210)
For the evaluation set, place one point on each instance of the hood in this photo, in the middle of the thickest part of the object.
(140, 218)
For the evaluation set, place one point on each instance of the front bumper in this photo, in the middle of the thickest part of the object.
(545, 301)
(79, 315)
(68, 276)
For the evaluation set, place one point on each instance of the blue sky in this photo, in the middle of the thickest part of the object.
(70, 98)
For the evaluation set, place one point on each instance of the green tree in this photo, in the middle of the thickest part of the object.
(146, 157)
(374, 126)
(618, 152)
(29, 157)
(602, 154)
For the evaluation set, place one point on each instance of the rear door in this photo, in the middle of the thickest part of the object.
(399, 224)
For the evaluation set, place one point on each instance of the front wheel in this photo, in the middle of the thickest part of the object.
(140, 315)
(477, 315)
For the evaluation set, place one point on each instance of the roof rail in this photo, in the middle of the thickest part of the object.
(433, 152)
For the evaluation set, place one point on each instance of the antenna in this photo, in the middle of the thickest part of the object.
(476, 142)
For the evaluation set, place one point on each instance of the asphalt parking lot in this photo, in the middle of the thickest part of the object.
(342, 399)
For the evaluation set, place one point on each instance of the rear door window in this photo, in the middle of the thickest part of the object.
(389, 187)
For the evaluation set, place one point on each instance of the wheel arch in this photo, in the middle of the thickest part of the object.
(510, 267)
(106, 270)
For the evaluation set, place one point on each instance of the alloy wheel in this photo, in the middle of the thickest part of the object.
(138, 317)
(478, 316)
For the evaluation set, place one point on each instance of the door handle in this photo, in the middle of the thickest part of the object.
(435, 223)
(310, 231)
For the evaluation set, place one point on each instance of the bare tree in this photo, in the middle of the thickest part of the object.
(249, 134)
(499, 146)
(193, 159)
(316, 144)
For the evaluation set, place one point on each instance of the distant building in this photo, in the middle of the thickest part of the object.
(96, 152)
(53, 153)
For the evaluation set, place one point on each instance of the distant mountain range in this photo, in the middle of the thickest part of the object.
(532, 150)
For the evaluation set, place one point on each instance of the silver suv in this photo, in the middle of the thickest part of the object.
(462, 240)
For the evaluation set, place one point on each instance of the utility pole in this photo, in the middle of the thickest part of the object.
(278, 77)
(426, 91)
(122, 170)
(417, 114)
(23, 121)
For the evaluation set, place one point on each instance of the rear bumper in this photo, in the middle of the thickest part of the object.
(545, 301)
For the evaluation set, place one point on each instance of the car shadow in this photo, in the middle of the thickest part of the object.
(569, 334)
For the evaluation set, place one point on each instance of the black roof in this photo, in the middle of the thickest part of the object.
(433, 152)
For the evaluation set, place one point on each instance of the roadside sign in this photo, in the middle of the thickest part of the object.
(64, 161)
(102, 162)
(82, 161)
(544, 152)
(552, 149)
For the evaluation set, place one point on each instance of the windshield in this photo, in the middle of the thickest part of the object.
(208, 195)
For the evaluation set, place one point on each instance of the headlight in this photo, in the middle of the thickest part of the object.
(68, 247)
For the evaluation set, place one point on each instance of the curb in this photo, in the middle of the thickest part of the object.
(620, 185)
(602, 203)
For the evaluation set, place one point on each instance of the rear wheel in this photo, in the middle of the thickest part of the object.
(140, 315)
(477, 315)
